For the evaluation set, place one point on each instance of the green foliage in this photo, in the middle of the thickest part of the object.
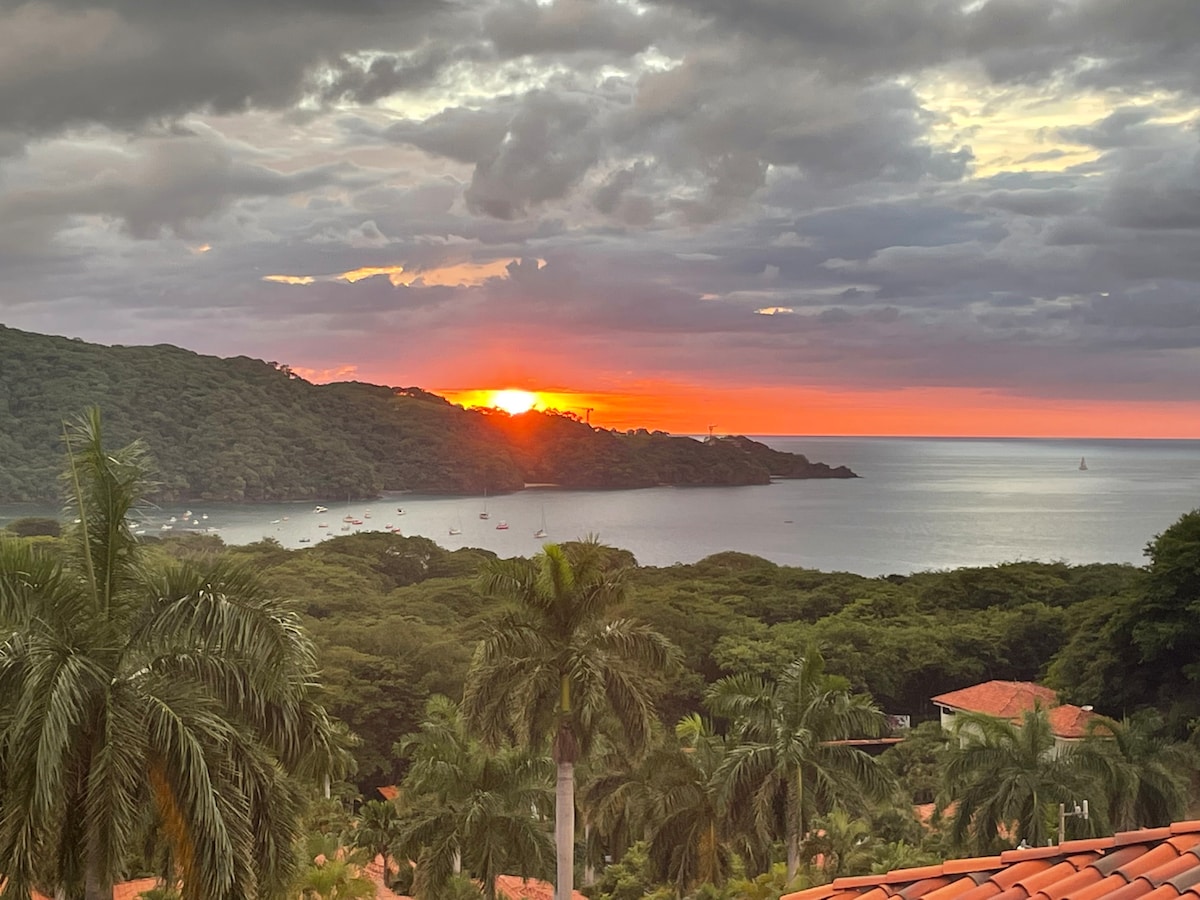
(631, 878)
(788, 763)
(1141, 646)
(133, 694)
(243, 429)
(35, 526)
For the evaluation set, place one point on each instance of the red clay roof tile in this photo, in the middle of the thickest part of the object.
(1012, 699)
(953, 890)
(986, 891)
(1145, 836)
(820, 892)
(1006, 878)
(1171, 869)
(1187, 881)
(919, 889)
(1181, 827)
(1066, 887)
(915, 874)
(978, 864)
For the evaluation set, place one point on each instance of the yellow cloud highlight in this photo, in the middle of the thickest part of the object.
(774, 310)
(289, 279)
(467, 274)
(203, 248)
(395, 274)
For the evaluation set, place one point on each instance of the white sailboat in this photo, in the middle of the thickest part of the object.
(484, 514)
(1082, 464)
(457, 529)
(541, 532)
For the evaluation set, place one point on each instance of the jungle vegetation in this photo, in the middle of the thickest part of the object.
(682, 721)
(246, 430)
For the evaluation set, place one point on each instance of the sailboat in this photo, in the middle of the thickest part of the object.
(1082, 464)
(541, 532)
(484, 514)
(457, 529)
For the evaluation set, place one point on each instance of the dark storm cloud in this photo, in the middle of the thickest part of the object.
(122, 63)
(177, 182)
(772, 190)
(525, 27)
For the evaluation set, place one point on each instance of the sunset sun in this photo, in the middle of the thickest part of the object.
(512, 401)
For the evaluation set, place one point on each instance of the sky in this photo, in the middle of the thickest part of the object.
(975, 217)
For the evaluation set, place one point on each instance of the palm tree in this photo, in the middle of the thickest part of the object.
(1007, 777)
(184, 690)
(470, 807)
(689, 844)
(336, 874)
(1144, 777)
(377, 828)
(843, 844)
(789, 763)
(559, 668)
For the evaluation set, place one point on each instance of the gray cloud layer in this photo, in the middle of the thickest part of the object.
(1001, 194)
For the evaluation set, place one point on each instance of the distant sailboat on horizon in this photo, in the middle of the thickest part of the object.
(456, 529)
(484, 514)
(1082, 464)
(541, 532)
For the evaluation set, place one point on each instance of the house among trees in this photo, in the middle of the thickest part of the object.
(1010, 701)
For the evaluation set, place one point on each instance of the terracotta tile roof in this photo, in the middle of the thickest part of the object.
(388, 792)
(1151, 864)
(516, 888)
(1012, 699)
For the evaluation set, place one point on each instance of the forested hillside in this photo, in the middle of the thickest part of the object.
(244, 429)
(398, 618)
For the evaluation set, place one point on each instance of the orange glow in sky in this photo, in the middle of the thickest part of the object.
(963, 412)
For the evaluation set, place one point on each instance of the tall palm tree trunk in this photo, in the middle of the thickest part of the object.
(95, 885)
(564, 830)
(796, 831)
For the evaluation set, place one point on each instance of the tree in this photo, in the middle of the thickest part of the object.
(690, 843)
(843, 844)
(789, 763)
(469, 806)
(560, 667)
(1144, 776)
(377, 828)
(1007, 778)
(126, 688)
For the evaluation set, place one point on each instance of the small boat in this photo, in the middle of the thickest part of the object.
(484, 514)
(1082, 464)
(171, 520)
(187, 514)
(205, 516)
(502, 526)
(274, 521)
(321, 509)
(541, 532)
(166, 528)
(454, 530)
(399, 510)
(306, 540)
(323, 525)
(356, 521)
(347, 518)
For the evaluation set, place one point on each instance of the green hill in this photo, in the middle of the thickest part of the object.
(244, 429)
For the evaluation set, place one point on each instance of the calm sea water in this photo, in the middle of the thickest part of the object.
(920, 504)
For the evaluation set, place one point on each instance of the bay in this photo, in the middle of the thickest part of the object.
(920, 503)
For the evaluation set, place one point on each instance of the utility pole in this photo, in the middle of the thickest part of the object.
(1063, 815)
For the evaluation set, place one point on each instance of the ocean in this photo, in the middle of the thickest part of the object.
(920, 504)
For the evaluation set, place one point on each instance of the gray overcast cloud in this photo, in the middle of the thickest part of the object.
(992, 195)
